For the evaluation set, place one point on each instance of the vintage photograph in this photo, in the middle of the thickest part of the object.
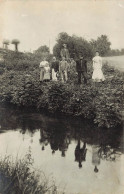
(61, 97)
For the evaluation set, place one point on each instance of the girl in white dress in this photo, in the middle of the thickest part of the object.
(97, 69)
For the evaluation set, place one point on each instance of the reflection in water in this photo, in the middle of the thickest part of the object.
(80, 153)
(65, 145)
(58, 133)
(95, 157)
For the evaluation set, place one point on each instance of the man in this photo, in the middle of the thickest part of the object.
(63, 68)
(81, 68)
(54, 68)
(64, 52)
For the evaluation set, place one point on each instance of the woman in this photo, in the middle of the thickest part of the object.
(97, 68)
(44, 70)
(55, 69)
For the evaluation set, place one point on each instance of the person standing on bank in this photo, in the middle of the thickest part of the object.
(81, 68)
(64, 52)
(54, 68)
(44, 70)
(63, 69)
(97, 68)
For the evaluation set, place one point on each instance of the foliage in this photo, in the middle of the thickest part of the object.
(78, 45)
(6, 43)
(15, 42)
(102, 44)
(116, 52)
(75, 45)
(102, 103)
(19, 177)
(43, 51)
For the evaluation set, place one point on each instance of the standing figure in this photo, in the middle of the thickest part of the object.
(54, 68)
(72, 63)
(80, 153)
(44, 70)
(64, 52)
(81, 68)
(97, 68)
(63, 68)
(95, 157)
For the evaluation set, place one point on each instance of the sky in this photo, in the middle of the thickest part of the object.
(38, 22)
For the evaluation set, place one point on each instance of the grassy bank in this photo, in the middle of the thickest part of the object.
(102, 104)
(16, 177)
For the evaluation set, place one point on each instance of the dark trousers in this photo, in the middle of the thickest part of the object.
(84, 74)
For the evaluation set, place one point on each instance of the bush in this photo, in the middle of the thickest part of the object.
(103, 103)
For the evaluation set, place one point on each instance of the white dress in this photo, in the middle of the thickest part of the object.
(44, 71)
(54, 76)
(97, 69)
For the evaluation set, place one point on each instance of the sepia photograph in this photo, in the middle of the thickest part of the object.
(61, 97)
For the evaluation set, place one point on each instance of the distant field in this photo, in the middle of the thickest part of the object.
(116, 61)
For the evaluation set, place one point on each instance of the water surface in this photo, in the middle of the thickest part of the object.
(80, 158)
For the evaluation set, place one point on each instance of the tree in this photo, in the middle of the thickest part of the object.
(42, 51)
(16, 42)
(102, 44)
(6, 43)
(122, 51)
(75, 45)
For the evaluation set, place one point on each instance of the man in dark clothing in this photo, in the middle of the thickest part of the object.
(80, 153)
(81, 68)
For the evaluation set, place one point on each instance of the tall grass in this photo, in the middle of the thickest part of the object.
(19, 177)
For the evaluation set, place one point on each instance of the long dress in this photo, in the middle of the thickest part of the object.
(97, 69)
(95, 155)
(44, 71)
(54, 76)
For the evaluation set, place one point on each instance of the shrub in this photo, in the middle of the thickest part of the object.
(102, 104)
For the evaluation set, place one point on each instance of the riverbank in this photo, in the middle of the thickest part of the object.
(103, 103)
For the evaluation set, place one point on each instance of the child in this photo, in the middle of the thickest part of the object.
(44, 70)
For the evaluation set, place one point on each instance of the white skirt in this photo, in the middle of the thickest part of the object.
(98, 75)
(54, 77)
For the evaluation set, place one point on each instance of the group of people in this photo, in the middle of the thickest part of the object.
(58, 70)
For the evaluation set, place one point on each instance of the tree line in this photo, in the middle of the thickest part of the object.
(15, 42)
(75, 45)
(78, 45)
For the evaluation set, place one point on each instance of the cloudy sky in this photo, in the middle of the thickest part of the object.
(38, 22)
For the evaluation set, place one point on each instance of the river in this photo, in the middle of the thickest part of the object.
(80, 158)
(115, 61)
